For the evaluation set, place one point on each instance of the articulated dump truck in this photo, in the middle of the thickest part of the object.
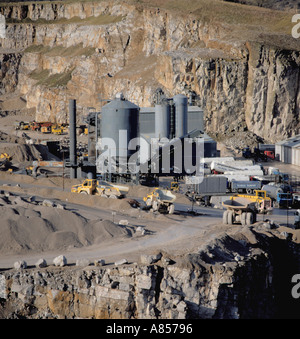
(160, 200)
(101, 188)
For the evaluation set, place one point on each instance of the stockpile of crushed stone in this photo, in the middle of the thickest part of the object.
(29, 226)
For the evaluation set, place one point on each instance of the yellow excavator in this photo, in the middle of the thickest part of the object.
(103, 189)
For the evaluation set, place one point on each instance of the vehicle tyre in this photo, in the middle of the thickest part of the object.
(83, 192)
(243, 218)
(249, 219)
(249, 191)
(112, 196)
(155, 206)
(103, 195)
(171, 209)
(148, 202)
(225, 218)
(230, 218)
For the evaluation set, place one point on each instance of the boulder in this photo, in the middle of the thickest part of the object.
(48, 203)
(20, 264)
(41, 263)
(60, 261)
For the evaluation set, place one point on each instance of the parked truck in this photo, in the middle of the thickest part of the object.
(297, 219)
(296, 200)
(245, 186)
(258, 155)
(284, 200)
(200, 193)
(272, 191)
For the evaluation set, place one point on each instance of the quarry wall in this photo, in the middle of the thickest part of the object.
(246, 275)
(91, 51)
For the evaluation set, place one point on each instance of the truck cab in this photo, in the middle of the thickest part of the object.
(296, 200)
(284, 200)
(297, 219)
(87, 187)
(270, 154)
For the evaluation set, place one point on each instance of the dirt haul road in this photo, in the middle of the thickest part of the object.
(88, 227)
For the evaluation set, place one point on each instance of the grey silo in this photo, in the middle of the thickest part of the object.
(120, 122)
(181, 109)
(162, 120)
(73, 139)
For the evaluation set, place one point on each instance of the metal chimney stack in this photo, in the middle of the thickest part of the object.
(73, 141)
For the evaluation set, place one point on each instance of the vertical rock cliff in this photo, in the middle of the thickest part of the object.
(239, 276)
(244, 70)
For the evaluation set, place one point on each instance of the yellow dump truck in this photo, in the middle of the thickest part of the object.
(260, 198)
(160, 200)
(243, 208)
(101, 188)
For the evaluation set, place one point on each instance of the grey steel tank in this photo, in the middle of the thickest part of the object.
(162, 120)
(272, 191)
(120, 122)
(181, 113)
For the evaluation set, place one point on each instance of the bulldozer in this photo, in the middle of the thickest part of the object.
(160, 200)
(103, 189)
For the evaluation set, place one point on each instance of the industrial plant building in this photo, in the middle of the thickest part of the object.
(288, 151)
(120, 122)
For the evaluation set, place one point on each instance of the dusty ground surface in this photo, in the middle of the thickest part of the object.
(88, 226)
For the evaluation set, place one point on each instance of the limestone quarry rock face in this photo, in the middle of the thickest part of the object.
(96, 50)
(236, 276)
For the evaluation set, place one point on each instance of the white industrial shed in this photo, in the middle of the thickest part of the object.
(289, 150)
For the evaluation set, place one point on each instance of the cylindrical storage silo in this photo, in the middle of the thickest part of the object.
(73, 142)
(162, 120)
(120, 123)
(181, 112)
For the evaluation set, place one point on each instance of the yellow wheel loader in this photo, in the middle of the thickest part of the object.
(103, 189)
